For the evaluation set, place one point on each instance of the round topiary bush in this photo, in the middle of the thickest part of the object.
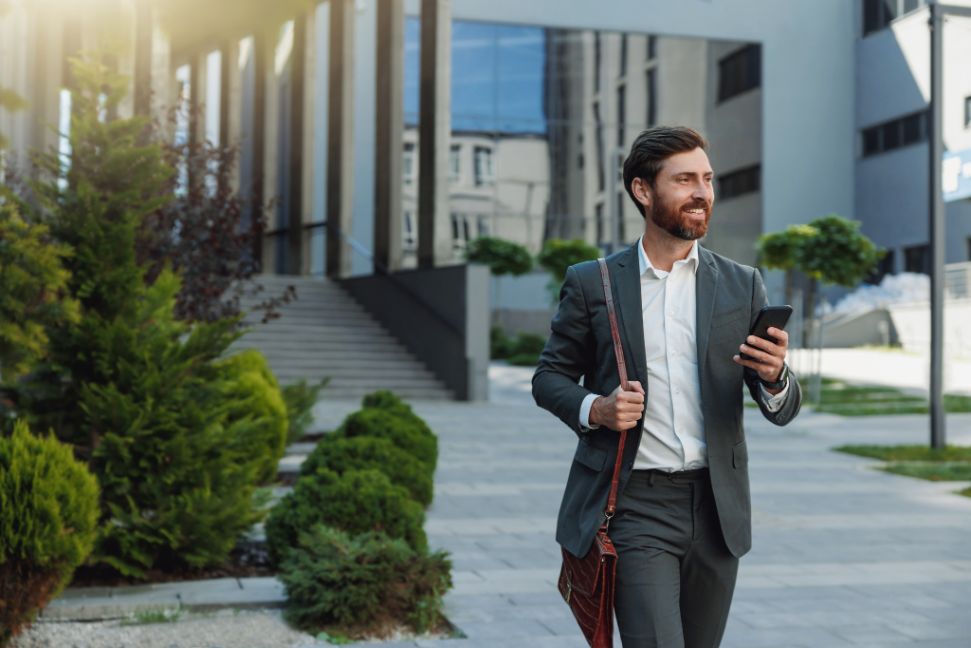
(48, 524)
(390, 402)
(355, 502)
(340, 454)
(409, 433)
(363, 584)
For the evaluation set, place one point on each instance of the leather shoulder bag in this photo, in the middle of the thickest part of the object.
(587, 583)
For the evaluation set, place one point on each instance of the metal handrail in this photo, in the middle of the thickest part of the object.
(383, 270)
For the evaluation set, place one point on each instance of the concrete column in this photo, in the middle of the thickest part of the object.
(339, 136)
(389, 125)
(258, 136)
(435, 124)
(144, 38)
(296, 119)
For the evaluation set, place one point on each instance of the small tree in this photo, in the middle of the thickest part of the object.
(557, 255)
(782, 251)
(503, 258)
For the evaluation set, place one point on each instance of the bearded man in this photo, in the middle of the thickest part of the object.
(684, 513)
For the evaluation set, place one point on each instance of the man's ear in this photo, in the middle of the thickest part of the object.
(642, 192)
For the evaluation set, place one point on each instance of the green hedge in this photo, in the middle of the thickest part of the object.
(409, 433)
(300, 398)
(363, 582)
(356, 502)
(48, 524)
(341, 454)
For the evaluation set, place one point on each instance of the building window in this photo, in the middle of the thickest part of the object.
(740, 72)
(893, 134)
(917, 258)
(482, 223)
(408, 163)
(408, 231)
(967, 112)
(460, 231)
(598, 132)
(599, 223)
(454, 162)
(597, 55)
(652, 96)
(621, 203)
(623, 54)
(884, 268)
(877, 14)
(621, 113)
(740, 182)
(651, 48)
(484, 171)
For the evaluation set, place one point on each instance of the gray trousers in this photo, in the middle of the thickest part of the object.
(675, 576)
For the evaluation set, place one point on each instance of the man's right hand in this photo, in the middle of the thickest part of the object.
(621, 410)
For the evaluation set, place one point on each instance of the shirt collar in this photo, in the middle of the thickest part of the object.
(645, 263)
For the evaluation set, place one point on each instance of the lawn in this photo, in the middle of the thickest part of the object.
(845, 399)
(951, 463)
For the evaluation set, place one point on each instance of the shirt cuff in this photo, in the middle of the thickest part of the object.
(585, 412)
(773, 402)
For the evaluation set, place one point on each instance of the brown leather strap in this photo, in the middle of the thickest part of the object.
(622, 373)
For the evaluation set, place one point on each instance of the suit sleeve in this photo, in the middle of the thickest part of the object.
(793, 399)
(566, 356)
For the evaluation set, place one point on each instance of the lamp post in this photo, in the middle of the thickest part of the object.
(935, 133)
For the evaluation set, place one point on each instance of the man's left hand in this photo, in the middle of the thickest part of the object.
(765, 357)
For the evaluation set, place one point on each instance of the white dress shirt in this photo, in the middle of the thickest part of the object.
(674, 428)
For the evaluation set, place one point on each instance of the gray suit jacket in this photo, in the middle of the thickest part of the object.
(729, 296)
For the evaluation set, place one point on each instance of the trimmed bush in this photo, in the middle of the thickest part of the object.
(340, 454)
(355, 502)
(48, 524)
(503, 257)
(368, 584)
(408, 432)
(300, 398)
(255, 410)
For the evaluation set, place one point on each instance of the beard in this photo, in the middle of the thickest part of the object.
(673, 220)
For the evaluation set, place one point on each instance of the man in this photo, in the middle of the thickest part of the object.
(684, 512)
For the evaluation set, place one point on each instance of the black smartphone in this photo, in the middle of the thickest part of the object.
(777, 316)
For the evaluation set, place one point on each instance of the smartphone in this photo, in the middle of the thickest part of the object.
(776, 316)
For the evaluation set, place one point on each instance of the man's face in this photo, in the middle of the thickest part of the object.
(682, 195)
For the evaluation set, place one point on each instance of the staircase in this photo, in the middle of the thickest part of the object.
(325, 333)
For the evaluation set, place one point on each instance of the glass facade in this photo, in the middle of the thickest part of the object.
(542, 119)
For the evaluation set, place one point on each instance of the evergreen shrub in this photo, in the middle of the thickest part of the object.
(48, 524)
(356, 502)
(176, 438)
(408, 432)
(300, 398)
(340, 454)
(255, 409)
(365, 584)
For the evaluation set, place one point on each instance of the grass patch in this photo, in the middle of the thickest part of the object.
(966, 492)
(932, 471)
(949, 453)
(146, 617)
(845, 399)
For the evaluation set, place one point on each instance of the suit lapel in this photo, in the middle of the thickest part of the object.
(627, 286)
(706, 287)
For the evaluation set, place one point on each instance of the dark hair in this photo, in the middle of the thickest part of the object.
(652, 147)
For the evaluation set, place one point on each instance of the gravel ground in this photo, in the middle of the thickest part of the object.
(223, 629)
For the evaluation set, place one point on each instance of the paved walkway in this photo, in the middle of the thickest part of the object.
(844, 556)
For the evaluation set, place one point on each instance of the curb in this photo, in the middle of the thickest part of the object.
(109, 603)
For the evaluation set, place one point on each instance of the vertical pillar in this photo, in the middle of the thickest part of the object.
(389, 125)
(339, 136)
(434, 130)
(296, 118)
(144, 38)
(258, 137)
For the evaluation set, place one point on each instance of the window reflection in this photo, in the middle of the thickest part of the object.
(543, 118)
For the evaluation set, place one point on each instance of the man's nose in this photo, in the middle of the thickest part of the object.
(701, 192)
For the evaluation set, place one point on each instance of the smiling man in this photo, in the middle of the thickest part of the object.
(684, 512)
